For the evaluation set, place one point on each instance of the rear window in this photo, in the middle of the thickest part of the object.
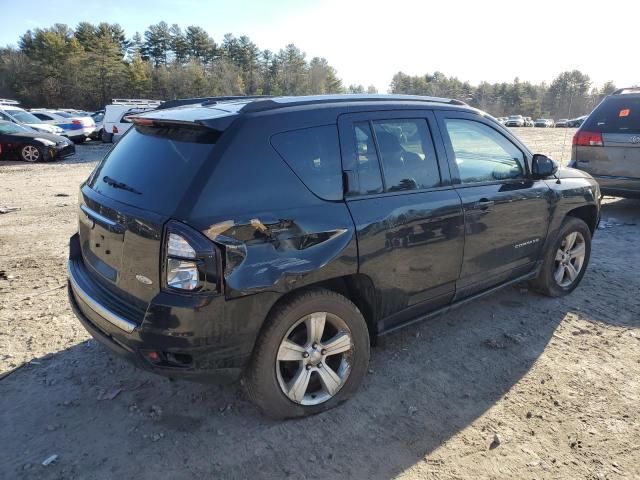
(153, 167)
(314, 156)
(617, 114)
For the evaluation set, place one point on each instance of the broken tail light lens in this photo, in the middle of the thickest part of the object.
(190, 260)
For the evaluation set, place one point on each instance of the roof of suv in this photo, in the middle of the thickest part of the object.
(205, 110)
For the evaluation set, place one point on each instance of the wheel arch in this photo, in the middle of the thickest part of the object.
(588, 214)
(357, 287)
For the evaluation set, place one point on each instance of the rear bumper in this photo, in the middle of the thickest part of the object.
(218, 359)
(619, 186)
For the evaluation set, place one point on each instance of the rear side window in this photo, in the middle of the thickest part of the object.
(617, 114)
(314, 156)
(368, 164)
(407, 154)
(153, 167)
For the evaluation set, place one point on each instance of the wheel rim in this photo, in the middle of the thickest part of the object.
(314, 358)
(30, 153)
(570, 259)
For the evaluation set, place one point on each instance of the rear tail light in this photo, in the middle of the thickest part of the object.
(114, 129)
(181, 273)
(588, 139)
(76, 122)
(190, 260)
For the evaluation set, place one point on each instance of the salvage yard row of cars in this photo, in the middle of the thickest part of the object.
(43, 134)
(520, 121)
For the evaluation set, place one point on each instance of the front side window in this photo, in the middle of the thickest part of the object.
(481, 153)
(407, 154)
(42, 116)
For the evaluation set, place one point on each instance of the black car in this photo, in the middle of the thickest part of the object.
(31, 146)
(275, 239)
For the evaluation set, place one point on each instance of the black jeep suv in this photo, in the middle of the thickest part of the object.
(273, 238)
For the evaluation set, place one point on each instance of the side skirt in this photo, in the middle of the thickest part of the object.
(533, 274)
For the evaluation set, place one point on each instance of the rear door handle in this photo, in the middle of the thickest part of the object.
(483, 204)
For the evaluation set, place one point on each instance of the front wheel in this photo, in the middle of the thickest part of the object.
(311, 356)
(566, 261)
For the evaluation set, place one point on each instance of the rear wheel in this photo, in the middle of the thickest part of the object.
(566, 261)
(30, 153)
(311, 356)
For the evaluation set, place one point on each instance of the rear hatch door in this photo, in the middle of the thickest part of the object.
(617, 119)
(145, 180)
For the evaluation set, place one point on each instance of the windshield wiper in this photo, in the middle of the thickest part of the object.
(122, 186)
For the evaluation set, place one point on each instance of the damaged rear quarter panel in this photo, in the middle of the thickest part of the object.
(276, 235)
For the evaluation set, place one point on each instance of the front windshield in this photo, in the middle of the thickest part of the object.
(9, 127)
(25, 117)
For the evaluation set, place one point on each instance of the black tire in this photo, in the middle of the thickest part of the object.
(261, 379)
(546, 283)
(107, 137)
(79, 140)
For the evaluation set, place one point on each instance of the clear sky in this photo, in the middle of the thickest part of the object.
(368, 41)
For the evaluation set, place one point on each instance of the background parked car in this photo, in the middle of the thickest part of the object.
(576, 122)
(11, 112)
(31, 146)
(607, 145)
(515, 121)
(114, 123)
(77, 128)
(562, 123)
(544, 123)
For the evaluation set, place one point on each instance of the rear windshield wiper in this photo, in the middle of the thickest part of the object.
(122, 186)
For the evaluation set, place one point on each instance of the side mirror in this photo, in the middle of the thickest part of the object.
(542, 166)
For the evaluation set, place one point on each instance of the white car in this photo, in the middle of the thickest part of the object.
(10, 112)
(115, 124)
(76, 128)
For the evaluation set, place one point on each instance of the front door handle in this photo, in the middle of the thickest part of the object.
(483, 204)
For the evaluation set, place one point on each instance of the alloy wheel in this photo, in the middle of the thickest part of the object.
(569, 259)
(30, 153)
(314, 358)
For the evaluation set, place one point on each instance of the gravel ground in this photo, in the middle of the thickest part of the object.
(513, 386)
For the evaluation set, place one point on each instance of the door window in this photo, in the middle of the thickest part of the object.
(407, 154)
(42, 116)
(481, 153)
(368, 165)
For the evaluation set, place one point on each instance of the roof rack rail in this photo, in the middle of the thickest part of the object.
(136, 101)
(281, 102)
(622, 91)
(8, 101)
(208, 100)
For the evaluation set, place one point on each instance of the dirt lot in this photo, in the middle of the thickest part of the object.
(557, 381)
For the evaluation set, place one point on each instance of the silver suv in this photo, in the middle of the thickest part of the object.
(607, 145)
